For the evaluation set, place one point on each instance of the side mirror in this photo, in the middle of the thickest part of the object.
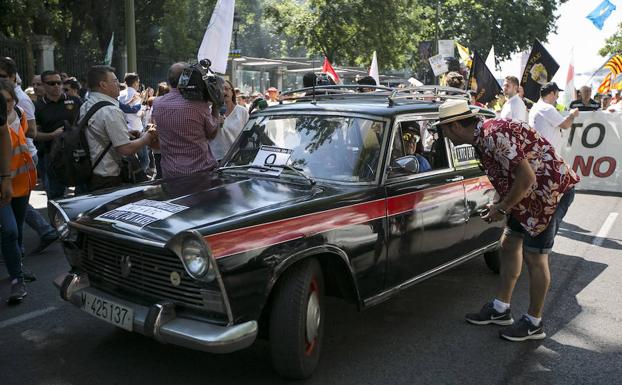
(408, 163)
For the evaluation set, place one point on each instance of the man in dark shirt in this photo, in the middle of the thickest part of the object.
(52, 112)
(586, 103)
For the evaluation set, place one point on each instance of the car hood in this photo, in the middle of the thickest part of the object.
(204, 201)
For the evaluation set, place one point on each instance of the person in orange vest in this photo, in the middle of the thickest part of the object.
(23, 176)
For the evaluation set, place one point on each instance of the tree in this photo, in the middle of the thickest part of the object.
(613, 45)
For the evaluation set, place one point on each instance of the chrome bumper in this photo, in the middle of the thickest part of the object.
(160, 321)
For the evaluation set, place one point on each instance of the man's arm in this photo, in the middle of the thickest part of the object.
(524, 178)
(133, 146)
(32, 129)
(6, 188)
(567, 122)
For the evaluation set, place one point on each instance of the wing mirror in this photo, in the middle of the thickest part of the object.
(408, 163)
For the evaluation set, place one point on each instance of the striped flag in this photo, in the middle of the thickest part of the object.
(605, 86)
(614, 64)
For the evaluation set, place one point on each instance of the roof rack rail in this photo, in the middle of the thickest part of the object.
(335, 92)
(432, 93)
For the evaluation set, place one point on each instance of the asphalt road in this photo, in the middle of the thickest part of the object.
(419, 337)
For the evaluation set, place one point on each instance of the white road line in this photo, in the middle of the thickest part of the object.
(604, 229)
(26, 317)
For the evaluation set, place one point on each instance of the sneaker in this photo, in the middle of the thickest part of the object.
(523, 330)
(29, 276)
(44, 243)
(488, 315)
(18, 292)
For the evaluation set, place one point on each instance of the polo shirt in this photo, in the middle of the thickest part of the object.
(592, 105)
(51, 115)
(545, 119)
(514, 109)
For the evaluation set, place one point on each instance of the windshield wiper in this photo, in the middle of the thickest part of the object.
(268, 167)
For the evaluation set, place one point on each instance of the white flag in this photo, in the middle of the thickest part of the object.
(217, 38)
(491, 62)
(569, 90)
(108, 57)
(373, 70)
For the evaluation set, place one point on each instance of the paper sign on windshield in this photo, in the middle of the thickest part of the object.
(140, 214)
(270, 156)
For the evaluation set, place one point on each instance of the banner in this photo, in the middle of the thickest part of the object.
(446, 48)
(539, 70)
(593, 148)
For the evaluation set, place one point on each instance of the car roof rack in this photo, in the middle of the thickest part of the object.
(428, 93)
(336, 92)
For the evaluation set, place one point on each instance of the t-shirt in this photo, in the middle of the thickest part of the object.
(51, 115)
(106, 126)
(28, 108)
(503, 144)
(133, 120)
(229, 132)
(545, 119)
(515, 109)
(591, 105)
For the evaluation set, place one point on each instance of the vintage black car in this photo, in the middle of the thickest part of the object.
(318, 196)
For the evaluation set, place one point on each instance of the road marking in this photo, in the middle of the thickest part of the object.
(604, 229)
(26, 317)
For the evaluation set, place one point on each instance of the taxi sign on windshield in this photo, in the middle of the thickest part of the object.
(270, 160)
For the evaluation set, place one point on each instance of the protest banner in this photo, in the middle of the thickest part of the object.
(593, 148)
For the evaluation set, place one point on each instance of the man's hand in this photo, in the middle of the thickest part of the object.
(6, 191)
(574, 112)
(492, 213)
(58, 132)
(134, 134)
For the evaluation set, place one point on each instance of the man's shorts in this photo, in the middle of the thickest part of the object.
(543, 242)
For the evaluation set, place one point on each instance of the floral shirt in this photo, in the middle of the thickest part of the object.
(503, 144)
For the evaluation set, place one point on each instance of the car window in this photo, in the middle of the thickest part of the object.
(338, 148)
(418, 138)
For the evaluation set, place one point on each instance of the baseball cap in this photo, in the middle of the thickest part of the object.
(548, 88)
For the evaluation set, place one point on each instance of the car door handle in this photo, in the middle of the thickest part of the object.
(455, 179)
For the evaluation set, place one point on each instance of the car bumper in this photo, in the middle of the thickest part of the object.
(161, 323)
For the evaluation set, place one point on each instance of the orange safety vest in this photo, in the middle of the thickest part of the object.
(23, 170)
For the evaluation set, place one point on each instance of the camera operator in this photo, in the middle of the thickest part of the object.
(185, 128)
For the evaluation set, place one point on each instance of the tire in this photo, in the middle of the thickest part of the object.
(295, 346)
(492, 260)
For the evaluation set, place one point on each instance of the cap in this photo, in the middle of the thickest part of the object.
(272, 89)
(548, 88)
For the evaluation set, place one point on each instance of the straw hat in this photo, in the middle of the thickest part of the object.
(453, 110)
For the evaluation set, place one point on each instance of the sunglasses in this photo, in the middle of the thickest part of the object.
(54, 83)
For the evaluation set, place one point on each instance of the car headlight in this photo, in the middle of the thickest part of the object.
(195, 256)
(60, 224)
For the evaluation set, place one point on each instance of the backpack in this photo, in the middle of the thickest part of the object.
(70, 158)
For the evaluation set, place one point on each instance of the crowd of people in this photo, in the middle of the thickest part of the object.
(133, 133)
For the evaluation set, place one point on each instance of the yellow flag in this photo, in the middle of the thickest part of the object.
(465, 54)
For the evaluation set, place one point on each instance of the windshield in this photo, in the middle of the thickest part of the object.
(337, 148)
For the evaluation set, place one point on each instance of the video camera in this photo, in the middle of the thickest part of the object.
(198, 82)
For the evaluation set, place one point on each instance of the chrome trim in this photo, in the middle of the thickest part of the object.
(221, 283)
(96, 231)
(189, 333)
(381, 297)
(57, 207)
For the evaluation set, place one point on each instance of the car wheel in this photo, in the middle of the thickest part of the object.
(492, 260)
(297, 320)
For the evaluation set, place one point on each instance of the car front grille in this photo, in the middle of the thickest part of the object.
(149, 276)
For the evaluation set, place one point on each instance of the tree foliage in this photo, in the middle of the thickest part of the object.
(613, 45)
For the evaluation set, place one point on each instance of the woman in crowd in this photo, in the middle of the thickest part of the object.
(23, 179)
(232, 122)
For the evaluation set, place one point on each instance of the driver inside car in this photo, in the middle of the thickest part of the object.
(412, 145)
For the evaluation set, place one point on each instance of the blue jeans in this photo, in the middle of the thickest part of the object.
(11, 225)
(53, 187)
(34, 219)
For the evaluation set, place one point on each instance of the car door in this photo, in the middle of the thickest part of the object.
(426, 212)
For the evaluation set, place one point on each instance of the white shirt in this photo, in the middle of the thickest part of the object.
(545, 119)
(134, 123)
(229, 132)
(28, 107)
(514, 109)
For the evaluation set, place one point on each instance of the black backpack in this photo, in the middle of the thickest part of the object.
(70, 158)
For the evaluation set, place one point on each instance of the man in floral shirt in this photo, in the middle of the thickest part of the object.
(536, 188)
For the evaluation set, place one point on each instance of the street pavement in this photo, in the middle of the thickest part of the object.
(419, 337)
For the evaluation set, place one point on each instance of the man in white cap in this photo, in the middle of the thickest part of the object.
(536, 188)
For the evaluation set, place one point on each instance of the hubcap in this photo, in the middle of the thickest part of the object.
(313, 316)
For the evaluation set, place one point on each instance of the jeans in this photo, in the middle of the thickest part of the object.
(11, 225)
(143, 158)
(53, 187)
(38, 223)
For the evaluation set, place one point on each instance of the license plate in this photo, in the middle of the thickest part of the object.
(109, 311)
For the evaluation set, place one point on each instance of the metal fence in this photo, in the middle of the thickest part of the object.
(76, 60)
(18, 51)
(152, 69)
